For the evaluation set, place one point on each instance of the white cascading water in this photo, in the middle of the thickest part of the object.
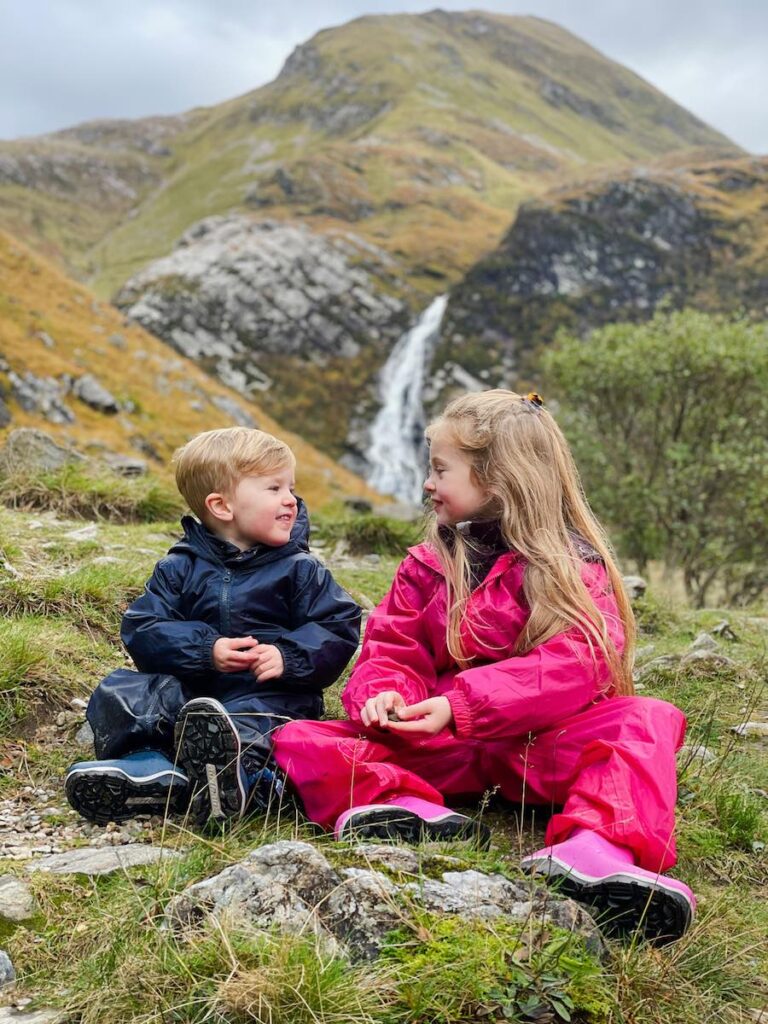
(395, 451)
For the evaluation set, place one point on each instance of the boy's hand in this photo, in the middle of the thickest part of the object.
(234, 654)
(376, 710)
(268, 662)
(431, 716)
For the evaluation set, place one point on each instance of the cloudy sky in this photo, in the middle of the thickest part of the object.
(66, 61)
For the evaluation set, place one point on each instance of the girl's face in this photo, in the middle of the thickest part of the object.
(454, 494)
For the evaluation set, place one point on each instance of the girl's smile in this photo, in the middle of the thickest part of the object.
(451, 486)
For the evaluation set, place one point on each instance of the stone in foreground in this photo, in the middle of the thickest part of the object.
(293, 886)
(16, 900)
(102, 861)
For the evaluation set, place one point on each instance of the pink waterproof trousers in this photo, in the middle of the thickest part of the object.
(544, 726)
(611, 768)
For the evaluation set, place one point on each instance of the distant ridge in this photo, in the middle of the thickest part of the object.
(425, 131)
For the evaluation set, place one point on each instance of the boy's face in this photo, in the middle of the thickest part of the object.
(260, 510)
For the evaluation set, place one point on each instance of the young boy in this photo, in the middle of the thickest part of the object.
(239, 630)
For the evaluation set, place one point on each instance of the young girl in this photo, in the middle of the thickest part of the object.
(501, 658)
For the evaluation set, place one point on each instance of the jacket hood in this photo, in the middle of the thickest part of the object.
(199, 540)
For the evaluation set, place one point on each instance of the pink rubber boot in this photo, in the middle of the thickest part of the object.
(411, 819)
(593, 870)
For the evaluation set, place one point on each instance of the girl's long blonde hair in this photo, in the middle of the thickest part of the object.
(518, 454)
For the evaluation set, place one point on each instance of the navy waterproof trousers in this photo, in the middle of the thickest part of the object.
(131, 711)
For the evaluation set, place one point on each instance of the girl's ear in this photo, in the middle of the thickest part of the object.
(218, 506)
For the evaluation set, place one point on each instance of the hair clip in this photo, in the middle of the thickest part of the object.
(535, 399)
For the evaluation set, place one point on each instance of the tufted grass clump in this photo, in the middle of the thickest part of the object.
(93, 594)
(21, 650)
(87, 492)
(368, 533)
(711, 974)
(44, 662)
(449, 969)
(285, 979)
(740, 818)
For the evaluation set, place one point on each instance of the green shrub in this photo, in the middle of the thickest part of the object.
(653, 614)
(669, 425)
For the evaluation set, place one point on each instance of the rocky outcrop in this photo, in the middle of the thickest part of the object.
(235, 289)
(89, 390)
(293, 886)
(276, 309)
(33, 450)
(612, 251)
(101, 862)
(43, 395)
(66, 171)
(16, 900)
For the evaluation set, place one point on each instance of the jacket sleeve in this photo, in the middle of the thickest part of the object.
(396, 652)
(533, 691)
(156, 633)
(326, 629)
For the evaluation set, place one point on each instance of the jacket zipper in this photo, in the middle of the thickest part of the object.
(225, 603)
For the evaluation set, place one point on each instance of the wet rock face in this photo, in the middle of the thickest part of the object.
(294, 886)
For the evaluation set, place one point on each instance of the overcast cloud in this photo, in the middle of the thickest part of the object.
(67, 61)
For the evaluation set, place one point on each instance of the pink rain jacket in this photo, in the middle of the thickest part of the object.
(502, 695)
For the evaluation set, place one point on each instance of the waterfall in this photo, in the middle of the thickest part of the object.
(396, 448)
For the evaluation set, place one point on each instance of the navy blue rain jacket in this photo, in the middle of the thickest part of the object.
(206, 588)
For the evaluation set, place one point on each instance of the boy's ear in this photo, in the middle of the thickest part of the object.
(218, 506)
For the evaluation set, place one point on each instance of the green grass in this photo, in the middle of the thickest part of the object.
(99, 949)
(90, 493)
(45, 660)
(366, 533)
(451, 970)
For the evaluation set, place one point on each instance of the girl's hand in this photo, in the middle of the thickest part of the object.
(431, 716)
(376, 710)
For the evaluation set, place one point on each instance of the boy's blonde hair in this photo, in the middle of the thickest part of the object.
(518, 454)
(216, 462)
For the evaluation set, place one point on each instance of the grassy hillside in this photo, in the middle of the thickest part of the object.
(426, 131)
(52, 327)
(99, 946)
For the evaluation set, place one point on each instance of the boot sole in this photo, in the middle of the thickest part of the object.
(623, 904)
(104, 795)
(393, 823)
(208, 749)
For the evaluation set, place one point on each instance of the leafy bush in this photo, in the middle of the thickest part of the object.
(669, 424)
